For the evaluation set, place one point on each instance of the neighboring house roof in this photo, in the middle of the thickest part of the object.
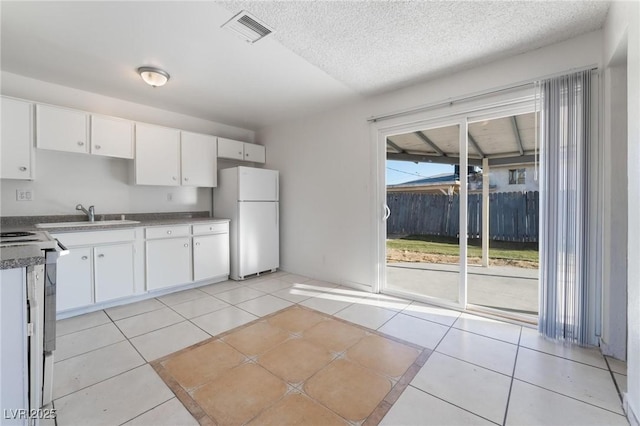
(443, 183)
(447, 183)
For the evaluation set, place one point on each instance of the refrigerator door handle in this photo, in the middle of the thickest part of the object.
(277, 213)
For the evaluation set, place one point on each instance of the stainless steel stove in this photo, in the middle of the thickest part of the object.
(41, 310)
(40, 239)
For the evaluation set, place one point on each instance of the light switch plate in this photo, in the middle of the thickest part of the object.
(24, 195)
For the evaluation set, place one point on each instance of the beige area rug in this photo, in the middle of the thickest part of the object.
(294, 367)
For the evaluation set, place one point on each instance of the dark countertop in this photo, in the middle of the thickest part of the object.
(27, 223)
(26, 255)
(143, 223)
(20, 257)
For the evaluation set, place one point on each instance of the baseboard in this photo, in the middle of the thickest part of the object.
(631, 415)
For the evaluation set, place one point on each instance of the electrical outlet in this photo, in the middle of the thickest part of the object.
(24, 195)
(169, 197)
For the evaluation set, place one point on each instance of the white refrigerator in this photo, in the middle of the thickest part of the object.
(249, 197)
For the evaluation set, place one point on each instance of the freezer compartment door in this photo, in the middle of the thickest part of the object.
(259, 240)
(257, 184)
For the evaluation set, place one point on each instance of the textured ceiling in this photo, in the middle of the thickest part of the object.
(322, 53)
(375, 46)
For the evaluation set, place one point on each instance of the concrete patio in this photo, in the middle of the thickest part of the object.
(511, 289)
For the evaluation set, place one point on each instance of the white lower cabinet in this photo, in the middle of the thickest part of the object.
(210, 256)
(100, 266)
(182, 254)
(168, 262)
(74, 287)
(113, 271)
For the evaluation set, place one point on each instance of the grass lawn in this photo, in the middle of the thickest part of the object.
(434, 244)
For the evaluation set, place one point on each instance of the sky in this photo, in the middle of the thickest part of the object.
(405, 171)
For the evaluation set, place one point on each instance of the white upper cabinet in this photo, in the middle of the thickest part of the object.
(199, 161)
(17, 140)
(255, 153)
(228, 148)
(236, 150)
(111, 137)
(157, 159)
(62, 129)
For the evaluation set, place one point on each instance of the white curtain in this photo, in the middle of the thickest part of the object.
(566, 196)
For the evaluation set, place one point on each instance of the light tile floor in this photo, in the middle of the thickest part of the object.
(481, 371)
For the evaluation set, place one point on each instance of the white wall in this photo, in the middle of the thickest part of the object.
(622, 32)
(66, 179)
(499, 176)
(328, 162)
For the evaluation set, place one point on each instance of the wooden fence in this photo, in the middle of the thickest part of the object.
(513, 216)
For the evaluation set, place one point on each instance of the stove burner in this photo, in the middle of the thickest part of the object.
(24, 240)
(16, 234)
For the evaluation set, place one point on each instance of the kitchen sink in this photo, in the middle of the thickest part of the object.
(85, 223)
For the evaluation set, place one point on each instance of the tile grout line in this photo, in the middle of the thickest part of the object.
(452, 404)
(513, 373)
(569, 396)
(615, 382)
(565, 358)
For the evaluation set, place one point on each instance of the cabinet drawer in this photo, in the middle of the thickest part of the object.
(95, 237)
(211, 228)
(167, 231)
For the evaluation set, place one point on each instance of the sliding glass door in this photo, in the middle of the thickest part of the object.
(423, 197)
(462, 207)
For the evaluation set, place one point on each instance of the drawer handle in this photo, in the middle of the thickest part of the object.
(84, 257)
(169, 232)
(101, 255)
(22, 169)
(186, 245)
(97, 146)
(80, 143)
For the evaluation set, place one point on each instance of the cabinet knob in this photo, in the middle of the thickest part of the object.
(186, 179)
(174, 178)
(97, 146)
(246, 155)
(186, 245)
(197, 244)
(169, 232)
(240, 152)
(84, 257)
(80, 143)
(22, 168)
(101, 255)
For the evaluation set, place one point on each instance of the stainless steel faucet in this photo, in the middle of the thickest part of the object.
(91, 212)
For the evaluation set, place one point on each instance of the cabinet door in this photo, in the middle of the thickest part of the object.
(228, 148)
(111, 137)
(157, 160)
(17, 140)
(62, 129)
(74, 284)
(168, 262)
(199, 161)
(210, 256)
(113, 271)
(255, 153)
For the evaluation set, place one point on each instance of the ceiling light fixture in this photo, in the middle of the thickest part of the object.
(153, 76)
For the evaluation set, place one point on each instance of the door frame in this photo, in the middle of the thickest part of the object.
(461, 114)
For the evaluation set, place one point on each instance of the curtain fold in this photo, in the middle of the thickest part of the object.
(565, 131)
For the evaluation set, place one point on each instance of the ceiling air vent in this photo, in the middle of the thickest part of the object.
(248, 27)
